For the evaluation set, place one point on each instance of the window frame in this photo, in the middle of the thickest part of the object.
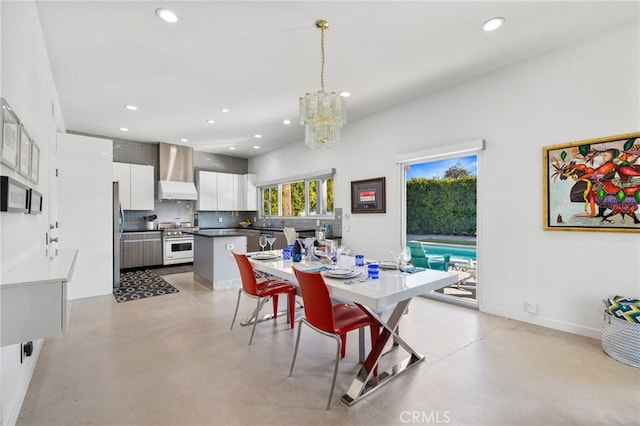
(320, 177)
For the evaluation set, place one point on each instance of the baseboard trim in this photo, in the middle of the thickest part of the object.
(544, 322)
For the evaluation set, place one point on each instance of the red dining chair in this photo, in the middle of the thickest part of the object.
(328, 319)
(259, 290)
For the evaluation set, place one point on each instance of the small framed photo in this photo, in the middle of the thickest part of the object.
(35, 163)
(35, 201)
(14, 196)
(10, 134)
(25, 153)
(368, 196)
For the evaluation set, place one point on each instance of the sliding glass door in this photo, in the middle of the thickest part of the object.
(441, 219)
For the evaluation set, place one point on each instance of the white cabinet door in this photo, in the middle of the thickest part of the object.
(86, 211)
(122, 174)
(207, 191)
(239, 193)
(225, 191)
(141, 187)
(251, 193)
(136, 185)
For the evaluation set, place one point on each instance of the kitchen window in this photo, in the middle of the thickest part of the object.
(299, 197)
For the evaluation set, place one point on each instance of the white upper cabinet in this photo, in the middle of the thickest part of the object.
(207, 183)
(239, 193)
(122, 174)
(250, 192)
(225, 191)
(136, 185)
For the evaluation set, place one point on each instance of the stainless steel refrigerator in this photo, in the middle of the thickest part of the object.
(118, 225)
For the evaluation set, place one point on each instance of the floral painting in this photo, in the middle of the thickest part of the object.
(593, 185)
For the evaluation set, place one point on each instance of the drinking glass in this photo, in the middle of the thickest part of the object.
(406, 255)
(271, 240)
(331, 251)
(262, 242)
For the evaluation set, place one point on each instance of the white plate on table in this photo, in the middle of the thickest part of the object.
(341, 273)
(264, 256)
(387, 264)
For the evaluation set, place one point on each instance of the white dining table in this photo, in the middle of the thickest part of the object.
(385, 298)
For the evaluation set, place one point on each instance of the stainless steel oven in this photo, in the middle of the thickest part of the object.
(178, 247)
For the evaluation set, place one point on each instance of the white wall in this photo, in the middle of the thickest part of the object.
(27, 84)
(584, 91)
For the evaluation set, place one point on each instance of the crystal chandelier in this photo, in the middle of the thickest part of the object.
(322, 113)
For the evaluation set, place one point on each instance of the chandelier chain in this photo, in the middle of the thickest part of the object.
(322, 58)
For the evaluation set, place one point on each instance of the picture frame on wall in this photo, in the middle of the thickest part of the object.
(14, 196)
(35, 201)
(593, 185)
(25, 153)
(34, 175)
(368, 196)
(10, 134)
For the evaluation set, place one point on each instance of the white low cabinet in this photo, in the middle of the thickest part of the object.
(34, 297)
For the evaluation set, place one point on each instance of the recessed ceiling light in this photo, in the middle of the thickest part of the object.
(493, 23)
(286, 122)
(345, 94)
(256, 147)
(224, 109)
(166, 15)
(124, 129)
(184, 140)
(257, 136)
(232, 148)
(131, 107)
(210, 121)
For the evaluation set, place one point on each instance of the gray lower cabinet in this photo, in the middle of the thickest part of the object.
(253, 236)
(139, 249)
(281, 241)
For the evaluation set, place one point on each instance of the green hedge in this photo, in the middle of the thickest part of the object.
(442, 206)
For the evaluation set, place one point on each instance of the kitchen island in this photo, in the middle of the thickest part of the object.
(213, 263)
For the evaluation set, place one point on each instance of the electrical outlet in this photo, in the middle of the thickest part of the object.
(219, 219)
(532, 307)
(317, 222)
(229, 246)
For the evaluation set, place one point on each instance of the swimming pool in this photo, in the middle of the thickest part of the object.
(456, 252)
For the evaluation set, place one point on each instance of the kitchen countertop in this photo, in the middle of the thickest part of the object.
(235, 231)
(213, 233)
(278, 229)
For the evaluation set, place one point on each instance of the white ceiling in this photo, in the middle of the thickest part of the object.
(257, 58)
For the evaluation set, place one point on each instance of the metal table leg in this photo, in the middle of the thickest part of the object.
(365, 382)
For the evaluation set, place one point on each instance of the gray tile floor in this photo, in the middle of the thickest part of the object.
(172, 360)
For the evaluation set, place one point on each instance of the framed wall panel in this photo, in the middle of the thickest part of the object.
(10, 134)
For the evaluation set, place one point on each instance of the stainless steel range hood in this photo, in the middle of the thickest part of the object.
(176, 173)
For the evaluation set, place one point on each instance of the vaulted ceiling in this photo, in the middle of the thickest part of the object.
(257, 58)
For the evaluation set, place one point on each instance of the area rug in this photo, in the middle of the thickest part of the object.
(136, 285)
